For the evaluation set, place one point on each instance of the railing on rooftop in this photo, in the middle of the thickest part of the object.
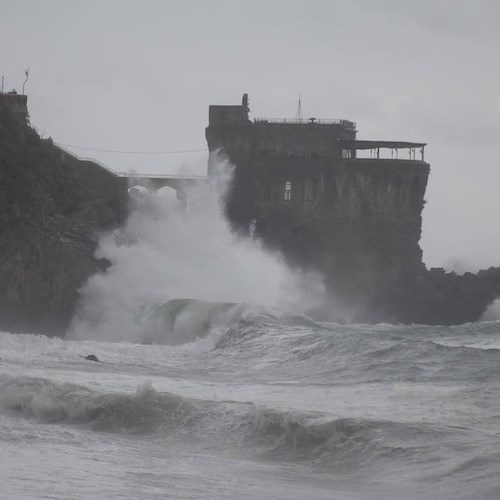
(308, 121)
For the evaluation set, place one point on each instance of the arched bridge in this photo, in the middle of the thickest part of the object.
(181, 183)
(154, 181)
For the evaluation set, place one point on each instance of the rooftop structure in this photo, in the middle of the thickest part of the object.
(16, 103)
(295, 137)
(309, 188)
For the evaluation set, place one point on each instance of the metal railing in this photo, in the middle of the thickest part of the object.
(161, 176)
(304, 121)
(86, 158)
(125, 174)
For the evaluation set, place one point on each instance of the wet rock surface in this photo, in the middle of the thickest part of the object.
(92, 357)
(53, 208)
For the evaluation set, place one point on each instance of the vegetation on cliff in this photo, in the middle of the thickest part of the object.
(52, 210)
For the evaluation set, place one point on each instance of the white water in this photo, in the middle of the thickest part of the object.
(492, 312)
(233, 396)
(276, 408)
(165, 252)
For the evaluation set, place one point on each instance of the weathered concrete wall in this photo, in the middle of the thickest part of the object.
(15, 104)
(243, 140)
(305, 140)
(357, 221)
(223, 116)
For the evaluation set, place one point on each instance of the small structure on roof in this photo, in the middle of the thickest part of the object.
(16, 103)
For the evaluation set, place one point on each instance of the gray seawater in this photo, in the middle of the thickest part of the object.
(254, 403)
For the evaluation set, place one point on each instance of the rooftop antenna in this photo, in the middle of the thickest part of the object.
(26, 72)
(299, 108)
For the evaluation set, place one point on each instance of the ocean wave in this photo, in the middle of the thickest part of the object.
(272, 433)
(53, 402)
(425, 348)
(246, 426)
(182, 321)
(337, 353)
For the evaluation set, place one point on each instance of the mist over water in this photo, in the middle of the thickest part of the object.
(492, 313)
(167, 251)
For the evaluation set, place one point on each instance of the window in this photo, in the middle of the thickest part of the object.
(287, 196)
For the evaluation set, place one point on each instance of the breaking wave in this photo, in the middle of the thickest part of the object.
(285, 345)
(289, 435)
(165, 253)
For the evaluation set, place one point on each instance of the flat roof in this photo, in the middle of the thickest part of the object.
(380, 144)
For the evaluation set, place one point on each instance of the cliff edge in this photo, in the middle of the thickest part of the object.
(349, 209)
(52, 209)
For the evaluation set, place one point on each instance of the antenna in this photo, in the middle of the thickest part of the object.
(299, 109)
(26, 72)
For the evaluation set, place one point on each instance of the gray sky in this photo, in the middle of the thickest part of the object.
(139, 75)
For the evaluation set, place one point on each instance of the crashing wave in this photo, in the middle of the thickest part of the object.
(249, 427)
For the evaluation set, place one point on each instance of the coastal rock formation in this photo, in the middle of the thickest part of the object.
(298, 186)
(52, 210)
(92, 357)
(303, 189)
(438, 297)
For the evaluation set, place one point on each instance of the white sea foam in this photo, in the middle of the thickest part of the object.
(492, 313)
(358, 413)
(166, 252)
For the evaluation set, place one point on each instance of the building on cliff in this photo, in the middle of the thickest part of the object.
(16, 103)
(304, 188)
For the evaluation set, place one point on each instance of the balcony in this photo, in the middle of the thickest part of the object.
(349, 149)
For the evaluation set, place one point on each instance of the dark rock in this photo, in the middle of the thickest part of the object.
(355, 221)
(52, 207)
(92, 357)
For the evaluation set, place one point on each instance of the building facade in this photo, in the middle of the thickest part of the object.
(304, 189)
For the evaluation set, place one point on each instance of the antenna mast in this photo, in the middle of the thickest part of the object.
(26, 72)
(299, 109)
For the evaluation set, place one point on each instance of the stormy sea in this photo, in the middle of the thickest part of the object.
(213, 381)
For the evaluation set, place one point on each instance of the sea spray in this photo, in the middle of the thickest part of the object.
(492, 313)
(168, 251)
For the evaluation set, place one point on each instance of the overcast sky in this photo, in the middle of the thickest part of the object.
(139, 76)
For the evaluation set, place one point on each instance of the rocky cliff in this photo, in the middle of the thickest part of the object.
(52, 210)
(357, 221)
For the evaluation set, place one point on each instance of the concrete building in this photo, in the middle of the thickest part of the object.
(303, 187)
(16, 103)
